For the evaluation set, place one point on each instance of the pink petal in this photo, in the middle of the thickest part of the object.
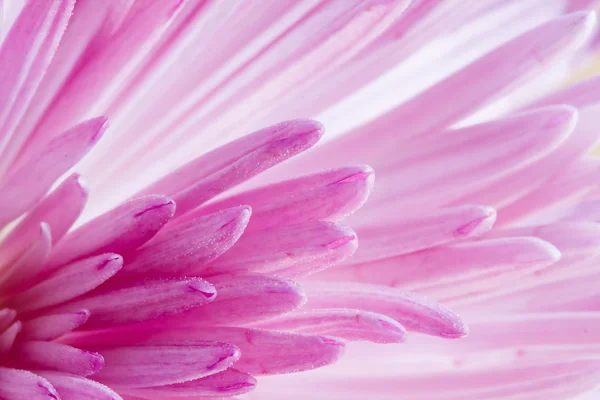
(73, 387)
(187, 247)
(147, 300)
(26, 53)
(59, 357)
(518, 183)
(438, 174)
(23, 385)
(7, 316)
(7, 338)
(571, 183)
(393, 238)
(414, 312)
(581, 94)
(21, 270)
(445, 264)
(342, 323)
(327, 196)
(510, 64)
(68, 283)
(142, 27)
(59, 210)
(245, 298)
(289, 251)
(123, 228)
(157, 365)
(229, 165)
(230, 382)
(52, 326)
(60, 154)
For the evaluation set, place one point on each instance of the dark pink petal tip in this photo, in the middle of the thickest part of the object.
(479, 224)
(204, 288)
(168, 205)
(365, 173)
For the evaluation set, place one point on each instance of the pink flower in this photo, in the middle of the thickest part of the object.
(179, 272)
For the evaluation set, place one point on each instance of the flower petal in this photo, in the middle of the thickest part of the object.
(73, 387)
(68, 283)
(17, 384)
(124, 228)
(157, 365)
(52, 326)
(147, 300)
(288, 251)
(45, 167)
(414, 312)
(59, 357)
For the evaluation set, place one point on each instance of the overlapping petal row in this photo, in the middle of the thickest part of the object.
(196, 282)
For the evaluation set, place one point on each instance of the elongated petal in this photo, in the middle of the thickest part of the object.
(342, 323)
(69, 282)
(327, 196)
(73, 387)
(188, 246)
(59, 210)
(7, 338)
(59, 357)
(229, 165)
(230, 382)
(21, 270)
(393, 238)
(31, 78)
(55, 159)
(246, 298)
(518, 183)
(142, 302)
(52, 326)
(510, 64)
(441, 265)
(157, 365)
(414, 312)
(288, 251)
(124, 228)
(17, 384)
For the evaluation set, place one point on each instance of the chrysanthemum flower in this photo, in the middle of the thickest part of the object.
(178, 272)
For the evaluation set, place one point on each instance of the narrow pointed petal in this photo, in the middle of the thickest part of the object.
(7, 338)
(59, 357)
(143, 302)
(510, 64)
(157, 365)
(30, 78)
(59, 210)
(187, 247)
(230, 382)
(17, 384)
(571, 183)
(73, 387)
(577, 241)
(419, 233)
(68, 283)
(437, 175)
(414, 312)
(113, 63)
(123, 228)
(46, 167)
(25, 55)
(245, 298)
(581, 141)
(29, 263)
(342, 323)
(326, 196)
(444, 264)
(50, 327)
(289, 251)
(229, 165)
